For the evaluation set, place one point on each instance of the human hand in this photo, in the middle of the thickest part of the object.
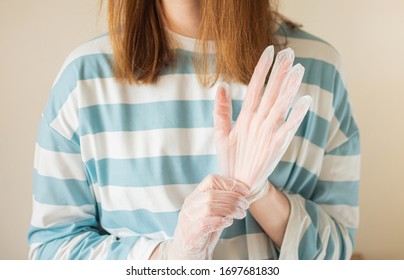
(250, 151)
(211, 207)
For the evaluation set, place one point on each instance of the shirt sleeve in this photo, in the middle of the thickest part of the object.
(323, 225)
(65, 221)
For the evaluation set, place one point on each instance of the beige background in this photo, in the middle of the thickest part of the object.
(36, 36)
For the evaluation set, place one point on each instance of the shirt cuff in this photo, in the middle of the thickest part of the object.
(295, 229)
(143, 249)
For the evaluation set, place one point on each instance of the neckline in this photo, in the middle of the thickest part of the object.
(186, 43)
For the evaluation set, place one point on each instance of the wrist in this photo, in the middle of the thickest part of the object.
(260, 191)
(272, 213)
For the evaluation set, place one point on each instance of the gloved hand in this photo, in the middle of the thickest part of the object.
(211, 207)
(250, 151)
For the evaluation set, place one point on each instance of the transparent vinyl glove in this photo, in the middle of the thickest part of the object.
(251, 149)
(209, 209)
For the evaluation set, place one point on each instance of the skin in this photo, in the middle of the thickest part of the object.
(271, 211)
(182, 16)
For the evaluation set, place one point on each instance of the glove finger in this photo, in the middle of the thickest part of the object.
(283, 63)
(298, 113)
(287, 131)
(284, 136)
(285, 84)
(214, 203)
(193, 234)
(233, 211)
(222, 126)
(286, 96)
(221, 197)
(222, 112)
(198, 197)
(217, 182)
(234, 185)
(257, 81)
(240, 188)
(211, 224)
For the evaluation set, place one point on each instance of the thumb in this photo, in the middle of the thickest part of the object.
(222, 113)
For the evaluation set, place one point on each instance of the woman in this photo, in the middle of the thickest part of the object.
(126, 151)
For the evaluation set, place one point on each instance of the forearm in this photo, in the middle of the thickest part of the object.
(89, 245)
(272, 213)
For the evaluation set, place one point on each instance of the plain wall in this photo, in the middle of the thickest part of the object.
(36, 36)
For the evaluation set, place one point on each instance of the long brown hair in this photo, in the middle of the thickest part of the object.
(240, 30)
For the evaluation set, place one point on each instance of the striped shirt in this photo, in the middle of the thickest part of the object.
(114, 162)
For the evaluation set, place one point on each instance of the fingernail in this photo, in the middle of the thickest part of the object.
(226, 88)
(286, 58)
(296, 76)
(299, 69)
(304, 101)
(269, 51)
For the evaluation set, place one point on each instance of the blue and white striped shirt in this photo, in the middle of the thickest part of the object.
(114, 162)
